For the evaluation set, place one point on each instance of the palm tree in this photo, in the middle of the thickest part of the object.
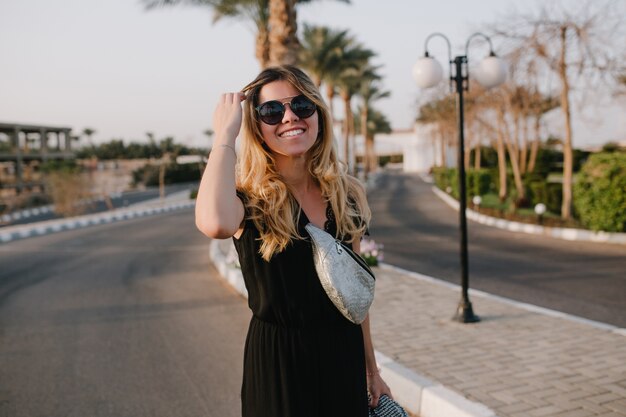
(254, 11)
(353, 69)
(369, 91)
(88, 132)
(321, 51)
(283, 41)
(282, 23)
(321, 54)
(375, 122)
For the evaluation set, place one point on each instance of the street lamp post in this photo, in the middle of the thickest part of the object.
(491, 72)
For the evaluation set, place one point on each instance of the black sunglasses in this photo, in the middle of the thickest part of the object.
(272, 112)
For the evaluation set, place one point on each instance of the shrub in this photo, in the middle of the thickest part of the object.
(440, 176)
(537, 192)
(479, 182)
(554, 196)
(66, 187)
(67, 190)
(600, 192)
(174, 173)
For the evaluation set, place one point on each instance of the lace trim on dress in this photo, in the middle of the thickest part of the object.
(330, 225)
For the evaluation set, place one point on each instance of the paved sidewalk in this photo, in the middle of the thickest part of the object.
(520, 360)
(516, 361)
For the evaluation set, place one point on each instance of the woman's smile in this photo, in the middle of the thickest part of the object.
(297, 131)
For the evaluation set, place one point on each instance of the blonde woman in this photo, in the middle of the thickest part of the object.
(302, 357)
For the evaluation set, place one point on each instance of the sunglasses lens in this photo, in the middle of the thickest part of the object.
(302, 107)
(271, 112)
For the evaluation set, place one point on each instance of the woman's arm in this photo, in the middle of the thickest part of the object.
(219, 212)
(375, 384)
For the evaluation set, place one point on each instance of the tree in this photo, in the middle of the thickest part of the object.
(253, 11)
(353, 69)
(257, 12)
(283, 41)
(509, 139)
(370, 91)
(321, 52)
(375, 122)
(575, 44)
(621, 84)
(88, 132)
(441, 113)
(539, 106)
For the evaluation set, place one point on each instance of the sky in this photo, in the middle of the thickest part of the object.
(123, 71)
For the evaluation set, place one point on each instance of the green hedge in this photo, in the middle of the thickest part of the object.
(540, 191)
(479, 182)
(485, 181)
(600, 192)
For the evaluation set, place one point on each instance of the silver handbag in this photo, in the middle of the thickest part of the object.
(344, 275)
(387, 408)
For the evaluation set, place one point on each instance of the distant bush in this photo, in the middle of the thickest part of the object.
(118, 149)
(443, 179)
(479, 182)
(61, 165)
(600, 192)
(148, 174)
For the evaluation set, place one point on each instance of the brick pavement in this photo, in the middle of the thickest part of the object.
(516, 361)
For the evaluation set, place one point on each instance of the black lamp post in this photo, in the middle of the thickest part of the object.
(491, 72)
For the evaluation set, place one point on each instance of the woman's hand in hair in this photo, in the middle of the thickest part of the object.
(227, 116)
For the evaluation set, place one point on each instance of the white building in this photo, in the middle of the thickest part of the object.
(418, 149)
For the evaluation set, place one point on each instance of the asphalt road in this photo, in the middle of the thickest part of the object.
(119, 320)
(421, 234)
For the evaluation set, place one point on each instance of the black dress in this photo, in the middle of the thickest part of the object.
(302, 358)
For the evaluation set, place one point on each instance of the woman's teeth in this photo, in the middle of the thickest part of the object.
(290, 133)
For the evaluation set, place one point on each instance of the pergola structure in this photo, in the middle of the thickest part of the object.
(23, 147)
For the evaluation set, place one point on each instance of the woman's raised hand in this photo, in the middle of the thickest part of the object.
(227, 116)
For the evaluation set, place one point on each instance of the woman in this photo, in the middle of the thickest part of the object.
(302, 357)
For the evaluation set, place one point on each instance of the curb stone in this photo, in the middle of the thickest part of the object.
(25, 213)
(416, 393)
(555, 232)
(10, 233)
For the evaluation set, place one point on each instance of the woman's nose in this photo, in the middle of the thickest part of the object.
(289, 115)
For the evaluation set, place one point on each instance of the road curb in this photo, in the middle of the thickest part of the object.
(10, 233)
(555, 232)
(416, 393)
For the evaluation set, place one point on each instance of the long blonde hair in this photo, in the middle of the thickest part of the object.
(270, 204)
